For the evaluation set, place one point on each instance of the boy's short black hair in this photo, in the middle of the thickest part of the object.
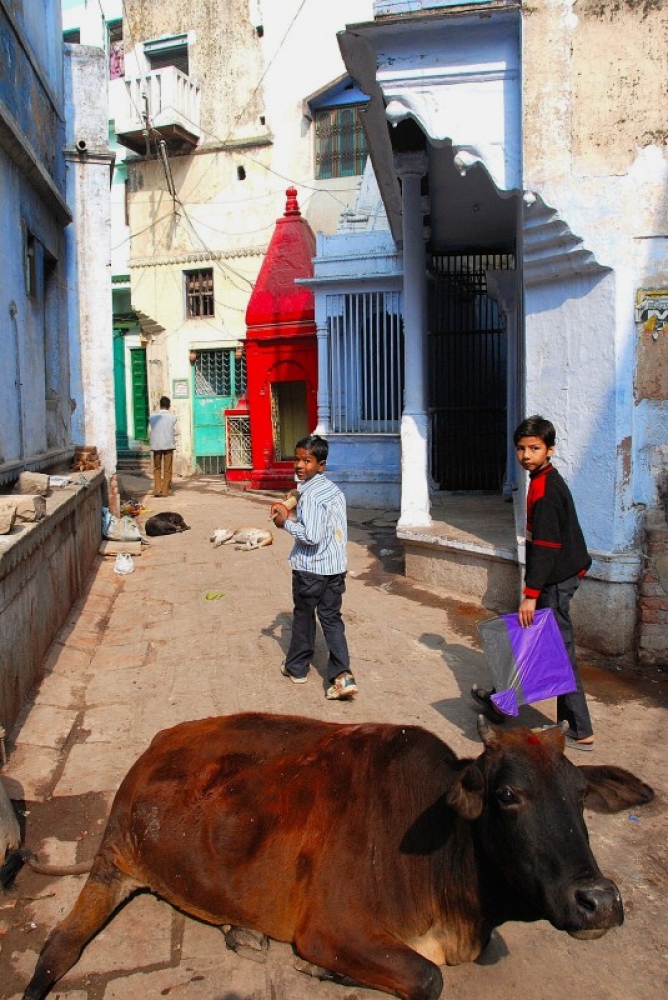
(165, 402)
(316, 445)
(536, 426)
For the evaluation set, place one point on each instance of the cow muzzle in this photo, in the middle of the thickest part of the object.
(598, 907)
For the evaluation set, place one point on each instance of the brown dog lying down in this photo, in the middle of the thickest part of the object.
(166, 523)
(243, 538)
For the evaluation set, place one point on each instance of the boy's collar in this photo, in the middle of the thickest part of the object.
(540, 472)
(302, 486)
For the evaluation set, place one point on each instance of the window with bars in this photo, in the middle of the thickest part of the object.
(340, 143)
(199, 293)
(366, 347)
(220, 373)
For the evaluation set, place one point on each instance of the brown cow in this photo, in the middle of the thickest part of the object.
(372, 848)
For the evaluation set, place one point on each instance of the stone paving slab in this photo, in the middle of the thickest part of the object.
(98, 766)
(66, 660)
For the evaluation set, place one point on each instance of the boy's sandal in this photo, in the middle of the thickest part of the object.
(484, 699)
(572, 744)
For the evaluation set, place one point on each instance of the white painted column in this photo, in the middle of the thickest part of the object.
(323, 426)
(415, 430)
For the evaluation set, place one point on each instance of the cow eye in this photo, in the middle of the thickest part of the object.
(506, 796)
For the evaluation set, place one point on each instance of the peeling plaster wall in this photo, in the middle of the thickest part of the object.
(90, 308)
(595, 91)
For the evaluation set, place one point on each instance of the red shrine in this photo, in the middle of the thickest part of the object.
(281, 352)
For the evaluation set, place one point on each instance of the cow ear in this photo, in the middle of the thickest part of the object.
(466, 795)
(611, 789)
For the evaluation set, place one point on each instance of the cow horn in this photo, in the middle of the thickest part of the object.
(485, 730)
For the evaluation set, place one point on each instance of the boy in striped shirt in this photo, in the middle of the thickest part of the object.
(319, 562)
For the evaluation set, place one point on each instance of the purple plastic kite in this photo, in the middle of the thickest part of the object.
(527, 664)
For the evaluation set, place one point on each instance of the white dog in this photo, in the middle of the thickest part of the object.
(243, 538)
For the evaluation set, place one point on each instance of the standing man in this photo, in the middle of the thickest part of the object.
(162, 439)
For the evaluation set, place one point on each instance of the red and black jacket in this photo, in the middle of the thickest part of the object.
(555, 545)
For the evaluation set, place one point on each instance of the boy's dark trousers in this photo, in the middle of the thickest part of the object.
(572, 707)
(312, 592)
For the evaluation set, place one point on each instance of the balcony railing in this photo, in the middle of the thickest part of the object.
(394, 7)
(165, 101)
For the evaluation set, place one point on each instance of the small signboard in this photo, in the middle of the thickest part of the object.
(651, 316)
(180, 388)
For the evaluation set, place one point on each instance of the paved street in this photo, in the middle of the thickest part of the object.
(143, 652)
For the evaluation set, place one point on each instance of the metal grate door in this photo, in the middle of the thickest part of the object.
(219, 379)
(467, 373)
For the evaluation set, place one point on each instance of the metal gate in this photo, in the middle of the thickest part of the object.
(220, 378)
(467, 373)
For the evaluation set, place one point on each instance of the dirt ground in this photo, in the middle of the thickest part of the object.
(522, 960)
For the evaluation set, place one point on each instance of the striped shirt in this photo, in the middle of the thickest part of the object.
(320, 532)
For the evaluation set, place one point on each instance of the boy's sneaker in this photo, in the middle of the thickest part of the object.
(295, 680)
(343, 687)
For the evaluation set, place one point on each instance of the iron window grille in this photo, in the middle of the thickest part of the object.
(366, 360)
(199, 293)
(340, 143)
(238, 439)
(220, 373)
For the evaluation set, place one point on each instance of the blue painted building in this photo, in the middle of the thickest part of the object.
(524, 191)
(35, 413)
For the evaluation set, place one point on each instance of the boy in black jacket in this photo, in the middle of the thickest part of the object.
(556, 561)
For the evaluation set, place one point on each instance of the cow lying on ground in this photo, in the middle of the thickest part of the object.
(166, 523)
(242, 538)
(372, 848)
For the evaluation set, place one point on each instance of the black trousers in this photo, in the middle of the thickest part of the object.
(323, 595)
(572, 707)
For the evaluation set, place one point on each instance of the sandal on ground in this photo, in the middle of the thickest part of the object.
(573, 744)
(484, 699)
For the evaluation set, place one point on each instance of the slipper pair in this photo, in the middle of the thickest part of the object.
(573, 744)
(484, 699)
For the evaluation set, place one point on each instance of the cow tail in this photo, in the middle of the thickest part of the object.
(15, 861)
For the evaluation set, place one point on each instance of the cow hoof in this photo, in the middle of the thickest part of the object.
(317, 972)
(309, 969)
(247, 943)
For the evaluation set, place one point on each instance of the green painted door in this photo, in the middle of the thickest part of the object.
(139, 393)
(120, 407)
(219, 380)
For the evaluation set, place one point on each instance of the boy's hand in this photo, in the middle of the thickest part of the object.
(526, 612)
(279, 517)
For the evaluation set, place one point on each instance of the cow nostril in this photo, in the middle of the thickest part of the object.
(600, 902)
(586, 900)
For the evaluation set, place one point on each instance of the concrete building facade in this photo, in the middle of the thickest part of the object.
(525, 187)
(221, 117)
